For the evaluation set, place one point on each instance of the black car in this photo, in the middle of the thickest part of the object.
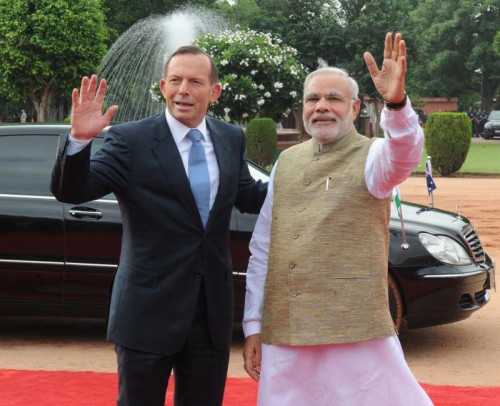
(492, 126)
(59, 259)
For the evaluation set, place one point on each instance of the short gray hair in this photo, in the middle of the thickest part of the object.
(328, 70)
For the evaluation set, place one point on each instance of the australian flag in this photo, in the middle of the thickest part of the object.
(428, 176)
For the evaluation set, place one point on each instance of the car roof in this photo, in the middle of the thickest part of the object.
(31, 129)
(62, 129)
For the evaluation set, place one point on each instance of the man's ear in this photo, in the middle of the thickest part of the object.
(163, 88)
(356, 106)
(216, 92)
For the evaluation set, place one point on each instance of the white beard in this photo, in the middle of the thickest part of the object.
(328, 135)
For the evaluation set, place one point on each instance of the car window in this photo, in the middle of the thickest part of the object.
(26, 164)
(96, 144)
(494, 115)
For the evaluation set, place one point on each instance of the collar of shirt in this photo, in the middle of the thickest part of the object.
(179, 130)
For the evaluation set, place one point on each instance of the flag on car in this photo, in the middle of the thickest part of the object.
(396, 198)
(428, 176)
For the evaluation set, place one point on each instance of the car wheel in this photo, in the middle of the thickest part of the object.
(395, 302)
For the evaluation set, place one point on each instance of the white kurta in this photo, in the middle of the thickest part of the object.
(372, 372)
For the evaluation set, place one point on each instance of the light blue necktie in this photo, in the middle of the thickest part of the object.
(198, 175)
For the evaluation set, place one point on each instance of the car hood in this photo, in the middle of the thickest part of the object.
(492, 123)
(419, 218)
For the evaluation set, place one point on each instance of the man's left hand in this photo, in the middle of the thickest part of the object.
(390, 80)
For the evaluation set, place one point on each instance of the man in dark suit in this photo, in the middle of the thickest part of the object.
(172, 300)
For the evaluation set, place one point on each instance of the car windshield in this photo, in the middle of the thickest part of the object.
(494, 115)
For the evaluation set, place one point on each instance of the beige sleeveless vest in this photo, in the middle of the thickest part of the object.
(327, 268)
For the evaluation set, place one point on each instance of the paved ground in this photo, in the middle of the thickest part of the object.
(463, 353)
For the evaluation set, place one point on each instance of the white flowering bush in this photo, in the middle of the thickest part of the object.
(260, 75)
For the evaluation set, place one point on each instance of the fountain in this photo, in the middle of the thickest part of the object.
(135, 61)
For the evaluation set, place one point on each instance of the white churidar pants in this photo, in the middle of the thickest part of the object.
(370, 373)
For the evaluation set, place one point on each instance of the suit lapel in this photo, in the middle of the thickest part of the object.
(169, 159)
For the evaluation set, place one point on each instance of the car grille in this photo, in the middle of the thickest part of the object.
(474, 244)
(466, 301)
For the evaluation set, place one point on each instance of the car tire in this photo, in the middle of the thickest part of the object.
(395, 302)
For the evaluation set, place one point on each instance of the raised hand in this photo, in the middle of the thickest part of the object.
(390, 80)
(87, 119)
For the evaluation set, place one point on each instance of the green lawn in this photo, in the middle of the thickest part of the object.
(482, 158)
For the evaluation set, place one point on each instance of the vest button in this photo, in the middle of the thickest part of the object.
(291, 265)
(301, 209)
(295, 236)
(295, 294)
(307, 182)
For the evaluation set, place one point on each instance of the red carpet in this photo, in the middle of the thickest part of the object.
(60, 388)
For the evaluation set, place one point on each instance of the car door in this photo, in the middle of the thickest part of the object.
(31, 226)
(93, 240)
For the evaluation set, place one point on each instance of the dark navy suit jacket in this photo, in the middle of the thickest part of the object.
(165, 248)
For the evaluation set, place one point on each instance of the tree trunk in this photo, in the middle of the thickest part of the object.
(36, 105)
(489, 86)
(42, 104)
(299, 125)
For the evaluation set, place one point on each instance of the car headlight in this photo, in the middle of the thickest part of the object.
(445, 249)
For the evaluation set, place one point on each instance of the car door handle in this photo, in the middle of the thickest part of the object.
(83, 212)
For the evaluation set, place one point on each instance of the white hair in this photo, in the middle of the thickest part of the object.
(328, 70)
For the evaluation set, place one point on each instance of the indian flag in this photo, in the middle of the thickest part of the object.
(396, 198)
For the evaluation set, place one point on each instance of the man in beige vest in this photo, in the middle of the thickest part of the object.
(317, 321)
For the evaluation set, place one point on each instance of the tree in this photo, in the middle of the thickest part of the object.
(366, 24)
(447, 139)
(496, 44)
(123, 14)
(262, 140)
(46, 46)
(312, 27)
(243, 13)
(260, 75)
(455, 53)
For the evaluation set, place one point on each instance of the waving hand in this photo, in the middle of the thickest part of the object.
(390, 80)
(87, 119)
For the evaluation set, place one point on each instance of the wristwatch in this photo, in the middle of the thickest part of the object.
(396, 106)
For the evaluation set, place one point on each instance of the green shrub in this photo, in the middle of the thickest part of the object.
(262, 140)
(447, 140)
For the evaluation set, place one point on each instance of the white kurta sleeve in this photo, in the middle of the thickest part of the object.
(257, 264)
(392, 159)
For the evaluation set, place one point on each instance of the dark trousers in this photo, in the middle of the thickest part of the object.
(200, 370)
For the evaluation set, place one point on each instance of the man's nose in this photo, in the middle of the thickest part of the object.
(184, 88)
(322, 104)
